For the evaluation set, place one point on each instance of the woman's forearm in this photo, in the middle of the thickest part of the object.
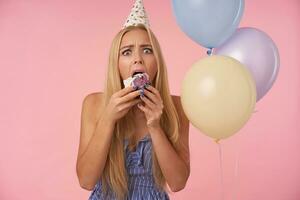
(91, 163)
(172, 165)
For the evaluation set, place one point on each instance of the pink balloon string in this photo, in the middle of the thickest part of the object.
(235, 177)
(221, 170)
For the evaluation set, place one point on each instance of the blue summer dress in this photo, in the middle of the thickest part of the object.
(141, 185)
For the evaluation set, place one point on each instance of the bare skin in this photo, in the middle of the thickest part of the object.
(88, 149)
(139, 118)
(140, 123)
(97, 130)
(136, 54)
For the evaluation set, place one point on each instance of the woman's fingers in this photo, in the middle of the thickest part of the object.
(124, 91)
(129, 96)
(154, 91)
(149, 103)
(151, 96)
(129, 104)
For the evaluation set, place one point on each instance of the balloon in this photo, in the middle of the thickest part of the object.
(208, 22)
(218, 96)
(256, 50)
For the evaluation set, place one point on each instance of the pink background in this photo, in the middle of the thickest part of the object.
(54, 53)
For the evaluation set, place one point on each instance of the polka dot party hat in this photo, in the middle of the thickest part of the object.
(137, 15)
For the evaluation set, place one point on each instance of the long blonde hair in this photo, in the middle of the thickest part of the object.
(114, 175)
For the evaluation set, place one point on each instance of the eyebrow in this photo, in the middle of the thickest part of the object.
(129, 46)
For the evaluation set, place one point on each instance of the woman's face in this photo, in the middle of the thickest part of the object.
(136, 54)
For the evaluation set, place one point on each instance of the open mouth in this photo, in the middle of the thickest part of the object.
(135, 73)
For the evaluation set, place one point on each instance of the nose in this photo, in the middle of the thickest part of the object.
(137, 59)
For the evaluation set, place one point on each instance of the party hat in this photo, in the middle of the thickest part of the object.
(137, 15)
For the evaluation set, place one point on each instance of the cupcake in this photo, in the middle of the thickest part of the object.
(139, 81)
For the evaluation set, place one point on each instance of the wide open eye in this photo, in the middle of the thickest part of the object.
(148, 50)
(126, 52)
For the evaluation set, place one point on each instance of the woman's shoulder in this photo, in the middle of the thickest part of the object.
(177, 103)
(92, 103)
(176, 99)
(93, 98)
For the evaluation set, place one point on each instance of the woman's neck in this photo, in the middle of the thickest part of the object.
(138, 114)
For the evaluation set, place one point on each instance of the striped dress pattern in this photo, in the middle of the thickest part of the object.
(141, 185)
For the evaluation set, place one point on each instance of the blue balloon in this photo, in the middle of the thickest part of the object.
(208, 22)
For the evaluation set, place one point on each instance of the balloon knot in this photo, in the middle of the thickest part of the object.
(209, 51)
(217, 141)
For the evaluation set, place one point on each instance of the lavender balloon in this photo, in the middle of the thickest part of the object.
(256, 50)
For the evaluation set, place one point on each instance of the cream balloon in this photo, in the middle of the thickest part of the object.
(218, 95)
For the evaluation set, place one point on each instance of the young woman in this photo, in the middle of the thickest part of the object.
(133, 145)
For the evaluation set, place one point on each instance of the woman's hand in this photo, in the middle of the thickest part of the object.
(153, 107)
(120, 103)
